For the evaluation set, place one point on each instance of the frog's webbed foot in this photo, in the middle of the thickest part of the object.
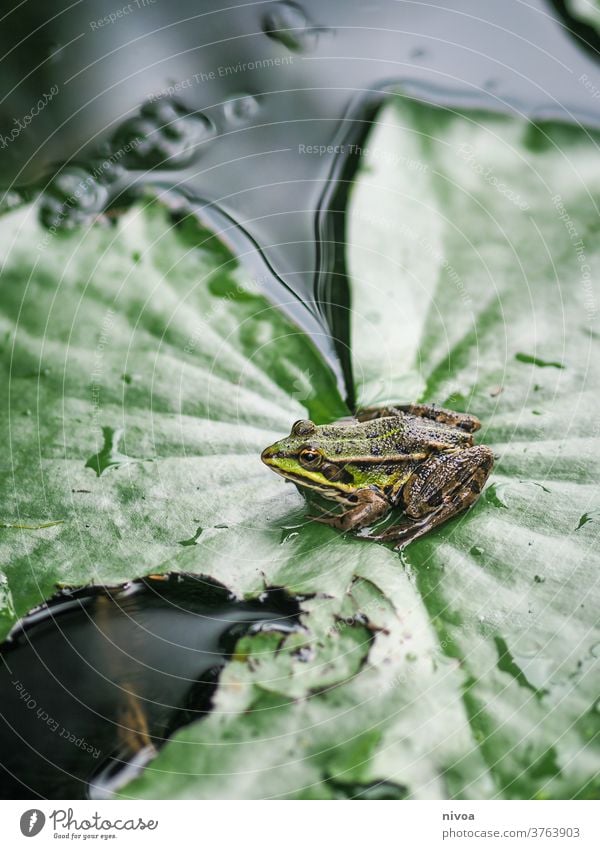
(369, 506)
(464, 421)
(441, 488)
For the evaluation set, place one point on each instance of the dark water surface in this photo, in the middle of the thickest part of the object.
(95, 681)
(250, 110)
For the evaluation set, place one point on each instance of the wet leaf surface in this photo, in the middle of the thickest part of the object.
(463, 667)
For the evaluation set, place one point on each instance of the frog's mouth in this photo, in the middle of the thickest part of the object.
(334, 490)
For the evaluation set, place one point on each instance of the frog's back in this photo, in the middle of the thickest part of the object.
(389, 437)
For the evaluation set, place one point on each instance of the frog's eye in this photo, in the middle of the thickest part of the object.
(303, 427)
(310, 459)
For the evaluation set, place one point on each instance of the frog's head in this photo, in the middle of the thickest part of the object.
(308, 458)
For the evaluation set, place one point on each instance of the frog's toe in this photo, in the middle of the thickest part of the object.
(402, 534)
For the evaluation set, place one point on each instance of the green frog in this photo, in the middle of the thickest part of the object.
(418, 458)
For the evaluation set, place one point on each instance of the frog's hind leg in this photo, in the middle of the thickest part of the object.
(464, 421)
(443, 486)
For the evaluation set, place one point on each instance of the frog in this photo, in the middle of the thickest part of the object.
(416, 459)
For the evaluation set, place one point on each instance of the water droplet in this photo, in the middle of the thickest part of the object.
(164, 133)
(241, 109)
(288, 533)
(107, 168)
(476, 551)
(10, 200)
(526, 646)
(73, 198)
(108, 165)
(288, 23)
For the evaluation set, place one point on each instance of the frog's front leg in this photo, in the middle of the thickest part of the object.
(443, 486)
(464, 421)
(368, 505)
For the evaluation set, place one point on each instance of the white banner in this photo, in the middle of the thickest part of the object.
(298, 825)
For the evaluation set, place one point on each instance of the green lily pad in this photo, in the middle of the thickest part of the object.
(463, 667)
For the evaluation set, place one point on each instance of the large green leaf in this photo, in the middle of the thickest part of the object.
(485, 247)
(144, 376)
(463, 667)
